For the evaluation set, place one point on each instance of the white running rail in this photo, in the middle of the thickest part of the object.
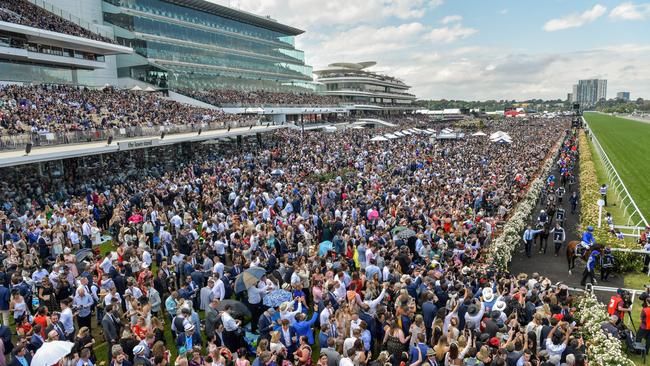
(635, 217)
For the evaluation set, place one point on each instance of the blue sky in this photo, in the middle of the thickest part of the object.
(477, 49)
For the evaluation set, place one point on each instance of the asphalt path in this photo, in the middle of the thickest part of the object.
(556, 268)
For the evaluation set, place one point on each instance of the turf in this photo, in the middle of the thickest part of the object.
(627, 143)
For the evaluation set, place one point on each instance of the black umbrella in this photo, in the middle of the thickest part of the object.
(237, 308)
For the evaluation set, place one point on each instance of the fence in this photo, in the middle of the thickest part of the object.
(72, 137)
(635, 217)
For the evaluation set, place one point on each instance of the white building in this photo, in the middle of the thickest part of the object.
(365, 90)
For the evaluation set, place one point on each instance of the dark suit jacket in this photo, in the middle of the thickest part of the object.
(291, 347)
(265, 326)
(211, 319)
(59, 330)
(15, 362)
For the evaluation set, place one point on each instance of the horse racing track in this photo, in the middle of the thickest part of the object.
(626, 142)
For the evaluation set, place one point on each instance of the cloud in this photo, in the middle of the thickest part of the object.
(307, 13)
(450, 34)
(503, 11)
(630, 11)
(575, 20)
(451, 19)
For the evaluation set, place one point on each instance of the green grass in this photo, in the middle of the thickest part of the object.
(626, 142)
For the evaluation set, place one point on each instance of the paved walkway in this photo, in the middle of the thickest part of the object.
(556, 268)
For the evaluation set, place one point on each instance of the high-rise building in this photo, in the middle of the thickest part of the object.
(569, 97)
(624, 96)
(590, 91)
(574, 93)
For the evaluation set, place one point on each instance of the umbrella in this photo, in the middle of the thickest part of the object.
(136, 88)
(277, 172)
(379, 138)
(324, 247)
(480, 133)
(248, 278)
(405, 234)
(51, 353)
(277, 297)
(237, 308)
(397, 229)
(135, 219)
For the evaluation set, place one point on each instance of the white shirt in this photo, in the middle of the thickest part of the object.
(228, 322)
(218, 268)
(106, 264)
(86, 229)
(219, 290)
(67, 321)
(146, 258)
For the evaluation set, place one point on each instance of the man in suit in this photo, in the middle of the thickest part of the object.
(36, 340)
(20, 356)
(429, 310)
(189, 338)
(111, 326)
(288, 337)
(55, 325)
(211, 318)
(265, 324)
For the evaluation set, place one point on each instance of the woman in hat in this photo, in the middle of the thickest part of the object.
(71, 261)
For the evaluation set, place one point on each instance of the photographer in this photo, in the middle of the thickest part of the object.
(644, 326)
(619, 304)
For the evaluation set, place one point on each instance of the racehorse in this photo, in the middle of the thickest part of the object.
(571, 253)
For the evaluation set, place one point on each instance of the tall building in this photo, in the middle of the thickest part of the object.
(590, 91)
(569, 97)
(365, 90)
(200, 44)
(574, 93)
(624, 96)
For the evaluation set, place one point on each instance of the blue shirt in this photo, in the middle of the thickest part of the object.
(188, 342)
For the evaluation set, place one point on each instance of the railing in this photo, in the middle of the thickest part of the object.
(636, 216)
(13, 142)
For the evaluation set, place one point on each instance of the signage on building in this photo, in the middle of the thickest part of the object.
(139, 144)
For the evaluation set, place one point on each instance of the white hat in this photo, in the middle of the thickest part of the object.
(138, 349)
(66, 250)
(465, 270)
(488, 295)
(499, 305)
(189, 327)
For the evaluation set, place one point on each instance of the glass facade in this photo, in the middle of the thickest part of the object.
(35, 73)
(191, 48)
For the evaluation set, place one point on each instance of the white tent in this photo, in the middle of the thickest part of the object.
(407, 132)
(254, 110)
(391, 136)
(136, 88)
(330, 129)
(399, 134)
(447, 130)
(149, 89)
(502, 140)
(480, 133)
(498, 134)
(379, 138)
(431, 130)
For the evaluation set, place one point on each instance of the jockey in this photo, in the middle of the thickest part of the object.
(542, 218)
(587, 239)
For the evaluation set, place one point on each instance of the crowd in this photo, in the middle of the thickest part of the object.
(25, 13)
(229, 97)
(60, 108)
(317, 248)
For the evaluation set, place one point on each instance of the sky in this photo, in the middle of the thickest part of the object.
(477, 49)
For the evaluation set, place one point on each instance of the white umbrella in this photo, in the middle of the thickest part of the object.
(479, 134)
(51, 353)
(399, 134)
(379, 138)
(407, 132)
(431, 130)
(390, 136)
(149, 89)
(136, 88)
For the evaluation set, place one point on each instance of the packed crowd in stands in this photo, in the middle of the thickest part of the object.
(54, 109)
(338, 251)
(25, 13)
(228, 97)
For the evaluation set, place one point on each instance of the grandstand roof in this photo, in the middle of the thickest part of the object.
(238, 15)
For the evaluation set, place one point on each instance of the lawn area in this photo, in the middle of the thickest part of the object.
(626, 143)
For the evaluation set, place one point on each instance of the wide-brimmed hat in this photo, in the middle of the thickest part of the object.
(488, 295)
(472, 310)
(499, 306)
(189, 327)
